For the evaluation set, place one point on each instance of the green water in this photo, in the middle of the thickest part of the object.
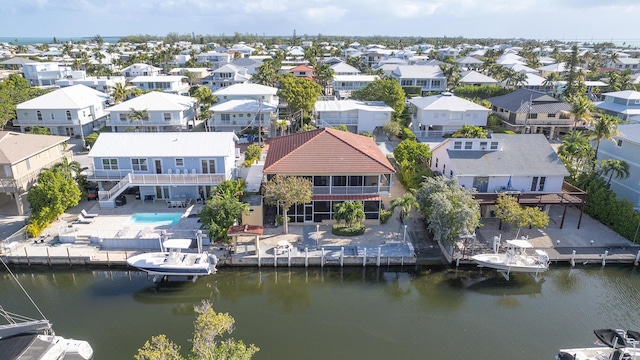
(342, 314)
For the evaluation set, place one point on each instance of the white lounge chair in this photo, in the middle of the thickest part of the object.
(82, 220)
(87, 215)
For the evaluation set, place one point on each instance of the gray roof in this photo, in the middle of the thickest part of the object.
(519, 101)
(630, 132)
(521, 155)
(15, 147)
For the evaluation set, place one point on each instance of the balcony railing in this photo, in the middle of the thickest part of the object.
(156, 179)
(349, 190)
(22, 183)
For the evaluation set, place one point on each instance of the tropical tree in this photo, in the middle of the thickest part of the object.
(450, 210)
(614, 168)
(120, 92)
(252, 155)
(387, 90)
(138, 116)
(220, 212)
(581, 108)
(452, 73)
(604, 127)
(351, 212)
(392, 129)
(210, 340)
(300, 94)
(231, 188)
(357, 62)
(323, 74)
(405, 203)
(15, 90)
(412, 151)
(39, 130)
(471, 132)
(53, 193)
(576, 153)
(509, 211)
(282, 125)
(550, 80)
(287, 191)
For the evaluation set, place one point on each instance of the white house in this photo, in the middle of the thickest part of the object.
(623, 104)
(240, 115)
(434, 116)
(199, 74)
(266, 94)
(429, 78)
(135, 70)
(625, 147)
(169, 84)
(226, 75)
(216, 59)
(44, 74)
(103, 84)
(344, 85)
(471, 77)
(342, 68)
(357, 116)
(167, 112)
(71, 111)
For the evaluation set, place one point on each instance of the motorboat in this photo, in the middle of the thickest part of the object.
(515, 259)
(614, 344)
(174, 260)
(22, 337)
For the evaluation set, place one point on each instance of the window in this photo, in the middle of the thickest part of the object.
(494, 145)
(52, 116)
(355, 181)
(208, 166)
(339, 181)
(68, 115)
(167, 116)
(436, 163)
(28, 163)
(139, 164)
(225, 119)
(619, 143)
(483, 145)
(180, 162)
(39, 115)
(110, 164)
(450, 173)
(406, 82)
(436, 83)
(444, 168)
(240, 115)
(541, 184)
(456, 116)
(551, 115)
(320, 181)
(533, 116)
(422, 82)
(468, 145)
(123, 117)
(457, 145)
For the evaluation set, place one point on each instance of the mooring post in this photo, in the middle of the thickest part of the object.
(637, 259)
(364, 258)
(275, 257)
(322, 260)
(458, 256)
(573, 258)
(27, 255)
(48, 257)
(289, 258)
(108, 260)
(341, 256)
(259, 259)
(306, 256)
(604, 257)
(379, 252)
(69, 257)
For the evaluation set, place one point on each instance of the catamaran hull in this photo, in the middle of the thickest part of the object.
(498, 262)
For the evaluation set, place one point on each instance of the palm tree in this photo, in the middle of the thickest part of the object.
(604, 127)
(69, 169)
(323, 74)
(550, 82)
(581, 107)
(138, 116)
(614, 167)
(575, 152)
(405, 203)
(120, 92)
(352, 212)
(282, 125)
(452, 73)
(520, 79)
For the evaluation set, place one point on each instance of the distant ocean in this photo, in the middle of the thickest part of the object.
(49, 40)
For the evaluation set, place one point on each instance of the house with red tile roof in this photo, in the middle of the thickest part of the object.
(342, 167)
(303, 71)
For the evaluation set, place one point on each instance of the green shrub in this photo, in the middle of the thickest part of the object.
(407, 134)
(385, 215)
(280, 219)
(481, 92)
(343, 230)
(412, 91)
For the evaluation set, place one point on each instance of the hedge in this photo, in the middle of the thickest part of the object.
(343, 230)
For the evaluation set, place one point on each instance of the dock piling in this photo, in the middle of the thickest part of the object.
(573, 258)
(604, 257)
(637, 259)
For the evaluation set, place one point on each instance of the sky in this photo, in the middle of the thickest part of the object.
(596, 20)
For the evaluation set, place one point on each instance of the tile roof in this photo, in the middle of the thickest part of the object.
(518, 102)
(325, 151)
(15, 147)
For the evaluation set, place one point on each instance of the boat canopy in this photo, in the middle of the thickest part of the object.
(177, 243)
(520, 243)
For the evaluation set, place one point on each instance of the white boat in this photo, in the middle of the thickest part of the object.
(516, 259)
(25, 338)
(615, 344)
(174, 261)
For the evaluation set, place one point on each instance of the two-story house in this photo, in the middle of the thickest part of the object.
(430, 78)
(22, 158)
(135, 70)
(357, 116)
(529, 111)
(520, 164)
(45, 73)
(245, 114)
(342, 68)
(266, 94)
(71, 111)
(474, 78)
(626, 147)
(216, 59)
(169, 84)
(226, 75)
(342, 167)
(166, 112)
(344, 85)
(303, 71)
(199, 74)
(164, 166)
(103, 84)
(622, 104)
(437, 115)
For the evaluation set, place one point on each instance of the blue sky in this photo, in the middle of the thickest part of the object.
(600, 20)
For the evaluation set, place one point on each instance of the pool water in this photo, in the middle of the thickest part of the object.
(155, 218)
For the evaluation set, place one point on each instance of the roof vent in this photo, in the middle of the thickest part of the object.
(446, 93)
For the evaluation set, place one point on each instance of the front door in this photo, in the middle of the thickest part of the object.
(158, 166)
(308, 212)
(162, 192)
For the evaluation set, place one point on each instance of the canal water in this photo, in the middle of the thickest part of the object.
(351, 313)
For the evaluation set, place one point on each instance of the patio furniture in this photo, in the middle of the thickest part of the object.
(88, 215)
(81, 220)
(149, 198)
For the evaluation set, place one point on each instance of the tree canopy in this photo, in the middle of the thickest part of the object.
(15, 90)
(471, 132)
(509, 211)
(387, 90)
(299, 93)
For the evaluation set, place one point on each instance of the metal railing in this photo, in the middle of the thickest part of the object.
(349, 190)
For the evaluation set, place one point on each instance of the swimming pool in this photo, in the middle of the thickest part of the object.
(155, 218)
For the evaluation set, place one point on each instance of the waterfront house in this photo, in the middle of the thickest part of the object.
(436, 115)
(104, 84)
(214, 59)
(22, 158)
(71, 111)
(357, 116)
(344, 85)
(243, 114)
(428, 77)
(303, 71)
(533, 112)
(169, 166)
(342, 167)
(45, 73)
(227, 75)
(266, 94)
(521, 164)
(622, 104)
(135, 70)
(170, 84)
(166, 112)
(626, 147)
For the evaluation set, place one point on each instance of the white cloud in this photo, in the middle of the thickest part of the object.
(325, 14)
